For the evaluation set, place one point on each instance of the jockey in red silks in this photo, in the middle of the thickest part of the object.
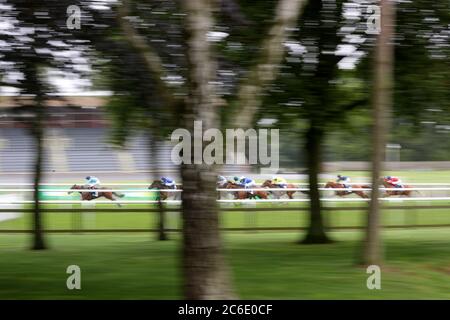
(394, 181)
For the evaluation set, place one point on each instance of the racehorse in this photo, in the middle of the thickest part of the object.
(340, 193)
(88, 194)
(400, 192)
(269, 184)
(157, 184)
(223, 185)
(240, 195)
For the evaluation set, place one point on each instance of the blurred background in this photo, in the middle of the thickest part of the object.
(95, 88)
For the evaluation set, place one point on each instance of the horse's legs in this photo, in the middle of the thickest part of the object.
(262, 194)
(86, 196)
(358, 193)
(361, 194)
(118, 204)
(109, 196)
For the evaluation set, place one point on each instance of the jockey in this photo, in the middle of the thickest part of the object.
(247, 183)
(236, 180)
(280, 182)
(93, 183)
(394, 181)
(221, 180)
(170, 183)
(344, 180)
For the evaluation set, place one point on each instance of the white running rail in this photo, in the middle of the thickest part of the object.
(226, 200)
(149, 183)
(224, 190)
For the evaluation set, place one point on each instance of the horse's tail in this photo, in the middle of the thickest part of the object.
(120, 195)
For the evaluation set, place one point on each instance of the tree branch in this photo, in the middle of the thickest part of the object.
(151, 59)
(265, 71)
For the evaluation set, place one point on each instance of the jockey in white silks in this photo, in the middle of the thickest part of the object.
(221, 180)
(344, 180)
(93, 183)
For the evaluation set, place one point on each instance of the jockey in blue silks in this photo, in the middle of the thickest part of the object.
(170, 183)
(344, 180)
(245, 182)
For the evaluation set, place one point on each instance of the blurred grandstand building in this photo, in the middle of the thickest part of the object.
(77, 133)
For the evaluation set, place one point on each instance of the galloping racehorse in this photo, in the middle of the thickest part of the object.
(269, 184)
(240, 195)
(340, 193)
(400, 192)
(88, 196)
(157, 184)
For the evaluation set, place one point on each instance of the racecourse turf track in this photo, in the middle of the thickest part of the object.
(238, 219)
(265, 265)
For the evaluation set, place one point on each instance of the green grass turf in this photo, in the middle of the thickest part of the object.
(264, 266)
(239, 219)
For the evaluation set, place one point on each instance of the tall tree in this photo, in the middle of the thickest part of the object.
(381, 104)
(27, 51)
(33, 84)
(313, 87)
(206, 274)
(202, 247)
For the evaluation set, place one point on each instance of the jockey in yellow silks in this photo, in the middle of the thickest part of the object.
(280, 182)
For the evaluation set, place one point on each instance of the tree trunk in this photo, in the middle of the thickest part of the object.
(38, 237)
(382, 95)
(316, 230)
(162, 235)
(206, 275)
